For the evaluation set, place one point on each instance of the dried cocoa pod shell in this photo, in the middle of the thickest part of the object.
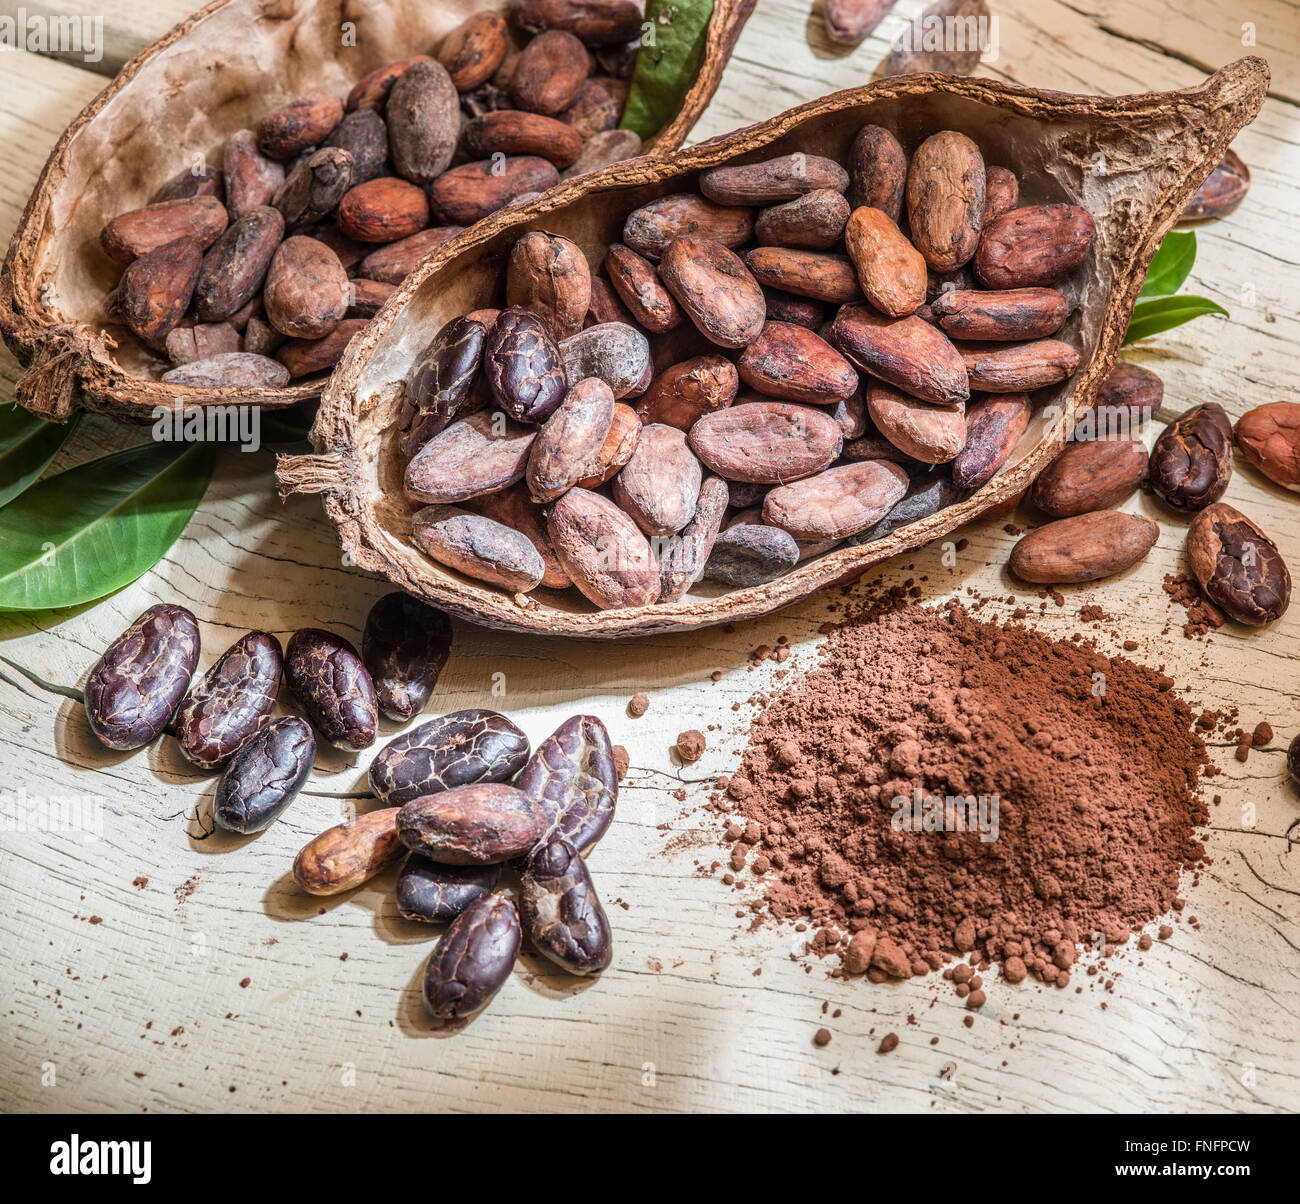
(748, 554)
(456, 749)
(478, 546)
(1191, 462)
(473, 959)
(393, 263)
(638, 285)
(328, 678)
(849, 21)
(251, 178)
(772, 181)
(433, 893)
(715, 289)
(1018, 367)
(572, 776)
(549, 275)
(786, 307)
(684, 392)
(594, 111)
(1130, 388)
(142, 676)
(232, 703)
(156, 288)
(481, 824)
(837, 502)
(595, 22)
(877, 172)
(523, 366)
(306, 293)
(1237, 566)
(443, 376)
(473, 51)
(139, 231)
(235, 266)
(364, 136)
(570, 440)
(404, 647)
(624, 431)
(766, 442)
(795, 364)
(512, 132)
(1007, 316)
(549, 73)
(600, 150)
(561, 911)
(423, 116)
(1222, 191)
(468, 193)
(1090, 476)
(479, 454)
(185, 344)
(347, 855)
(286, 132)
(203, 181)
(613, 352)
(1033, 246)
(1086, 547)
(945, 199)
(313, 189)
(603, 551)
(371, 91)
(904, 352)
(814, 274)
(1269, 437)
(660, 483)
(890, 270)
(304, 357)
(650, 229)
(264, 776)
(994, 426)
(231, 370)
(814, 221)
(1001, 192)
(514, 508)
(928, 433)
(366, 297)
(385, 209)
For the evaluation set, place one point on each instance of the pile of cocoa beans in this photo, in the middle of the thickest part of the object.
(261, 272)
(443, 788)
(765, 368)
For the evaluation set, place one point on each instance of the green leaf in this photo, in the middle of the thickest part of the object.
(285, 429)
(88, 531)
(27, 445)
(667, 66)
(1171, 265)
(1163, 313)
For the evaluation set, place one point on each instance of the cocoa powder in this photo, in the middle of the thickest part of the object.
(1097, 789)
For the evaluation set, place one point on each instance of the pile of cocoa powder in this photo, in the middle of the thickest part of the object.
(1094, 760)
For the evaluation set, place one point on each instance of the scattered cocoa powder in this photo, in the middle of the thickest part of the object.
(1202, 615)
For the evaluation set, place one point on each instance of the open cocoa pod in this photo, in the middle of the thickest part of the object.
(218, 72)
(1133, 162)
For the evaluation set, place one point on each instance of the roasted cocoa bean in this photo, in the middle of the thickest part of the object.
(456, 749)
(812, 274)
(511, 132)
(232, 702)
(1191, 462)
(142, 676)
(364, 136)
(523, 366)
(603, 551)
(751, 554)
(443, 377)
(570, 440)
(766, 442)
(549, 73)
(467, 194)
(1033, 246)
(1019, 367)
(264, 776)
(136, 233)
(479, 454)
(1001, 193)
(480, 824)
(994, 426)
(945, 199)
(650, 229)
(795, 364)
(714, 288)
(384, 209)
(660, 483)
(838, 502)
(549, 275)
(600, 150)
(571, 775)
(473, 959)
(235, 266)
(877, 172)
(907, 353)
(561, 911)
(681, 563)
(404, 647)
(516, 509)
(347, 855)
(231, 370)
(393, 263)
(306, 292)
(251, 178)
(849, 21)
(423, 116)
(371, 91)
(931, 434)
(613, 352)
(638, 285)
(1086, 547)
(1090, 476)
(1269, 437)
(684, 392)
(1222, 191)
(434, 893)
(155, 290)
(891, 272)
(478, 546)
(1023, 313)
(286, 132)
(624, 431)
(313, 189)
(814, 221)
(330, 682)
(473, 51)
(1238, 567)
(772, 181)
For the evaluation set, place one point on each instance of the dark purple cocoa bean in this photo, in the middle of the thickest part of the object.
(364, 136)
(434, 893)
(265, 775)
(1238, 567)
(328, 678)
(561, 912)
(523, 365)
(1191, 462)
(404, 647)
(232, 703)
(473, 959)
(572, 776)
(443, 376)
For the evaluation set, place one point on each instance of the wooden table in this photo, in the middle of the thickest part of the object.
(215, 984)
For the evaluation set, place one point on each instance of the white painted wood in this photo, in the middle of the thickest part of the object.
(145, 1010)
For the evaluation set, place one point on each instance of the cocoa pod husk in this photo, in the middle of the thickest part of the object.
(907, 353)
(794, 364)
(838, 502)
(478, 546)
(1090, 476)
(766, 442)
(603, 551)
(1085, 547)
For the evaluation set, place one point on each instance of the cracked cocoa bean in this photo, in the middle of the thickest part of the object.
(345, 856)
(328, 678)
(1237, 566)
(404, 646)
(265, 776)
(443, 376)
(572, 776)
(232, 702)
(561, 911)
(434, 893)
(1191, 461)
(715, 289)
(766, 442)
(523, 366)
(478, 546)
(473, 959)
(479, 824)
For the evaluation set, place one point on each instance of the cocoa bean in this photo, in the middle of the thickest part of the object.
(660, 483)
(812, 274)
(202, 181)
(549, 275)
(814, 221)
(617, 449)
(772, 181)
(786, 307)
(393, 263)
(235, 266)
(232, 703)
(838, 502)
(904, 352)
(251, 178)
(366, 297)
(139, 231)
(561, 911)
(956, 53)
(1001, 193)
(473, 51)
(638, 285)
(1033, 246)
(456, 749)
(1090, 476)
(434, 893)
(994, 426)
(767, 442)
(570, 440)
(572, 775)
(600, 150)
(851, 415)
(606, 304)
(925, 432)
(795, 364)
(156, 288)
(596, 22)
(404, 647)
(345, 856)
(549, 73)
(937, 284)
(650, 229)
(877, 172)
(264, 776)
(371, 91)
(714, 288)
(849, 21)
(444, 374)
(874, 446)
(306, 292)
(480, 824)
(927, 494)
(473, 959)
(523, 365)
(615, 353)
(185, 344)
(1023, 313)
(286, 132)
(1222, 191)
(230, 370)
(364, 136)
(479, 454)
(684, 392)
(1019, 367)
(313, 189)
(1191, 462)
(1086, 547)
(511, 132)
(384, 209)
(516, 509)
(681, 564)
(328, 679)
(945, 199)
(1237, 566)
(303, 357)
(467, 194)
(593, 111)
(478, 546)
(1132, 389)
(890, 270)
(1269, 437)
(751, 554)
(603, 551)
(423, 116)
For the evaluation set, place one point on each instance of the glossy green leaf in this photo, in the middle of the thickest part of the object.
(283, 430)
(27, 446)
(672, 49)
(1171, 266)
(1164, 313)
(86, 532)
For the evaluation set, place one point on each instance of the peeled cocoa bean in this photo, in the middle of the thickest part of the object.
(481, 824)
(251, 178)
(313, 189)
(814, 221)
(1001, 193)
(1090, 476)
(766, 442)
(136, 233)
(907, 353)
(714, 288)
(795, 364)
(1222, 191)
(849, 21)
(567, 445)
(549, 73)
(561, 911)
(1269, 437)
(616, 450)
(600, 150)
(603, 551)
(1019, 367)
(473, 51)
(479, 454)
(512, 132)
(345, 856)
(264, 776)
(231, 370)
(371, 91)
(404, 647)
(749, 554)
(638, 285)
(1034, 246)
(1191, 462)
(478, 546)
(1086, 547)
(945, 199)
(423, 116)
(928, 433)
(385, 209)
(660, 483)
(467, 194)
(773, 181)
(806, 273)
(877, 172)
(890, 270)
(650, 229)
(681, 563)
(684, 392)
(364, 136)
(435, 893)
(572, 776)
(306, 292)
(393, 263)
(443, 376)
(456, 749)
(328, 678)
(838, 502)
(1237, 566)
(235, 266)
(288, 131)
(232, 703)
(613, 352)
(994, 426)
(549, 275)
(473, 959)
(156, 288)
